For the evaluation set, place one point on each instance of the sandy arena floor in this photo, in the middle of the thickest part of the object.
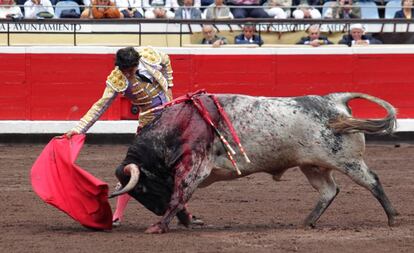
(253, 214)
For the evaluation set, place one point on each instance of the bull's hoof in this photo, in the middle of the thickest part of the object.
(391, 221)
(157, 228)
(192, 220)
(196, 221)
(309, 225)
(184, 218)
(392, 218)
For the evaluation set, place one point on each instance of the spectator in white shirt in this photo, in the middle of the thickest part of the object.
(306, 11)
(279, 9)
(8, 9)
(33, 7)
(159, 8)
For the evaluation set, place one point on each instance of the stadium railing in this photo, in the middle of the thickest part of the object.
(181, 27)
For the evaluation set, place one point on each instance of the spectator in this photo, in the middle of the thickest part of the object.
(159, 8)
(248, 36)
(102, 9)
(255, 10)
(38, 9)
(9, 9)
(344, 9)
(314, 38)
(357, 37)
(279, 9)
(130, 8)
(197, 3)
(218, 10)
(71, 13)
(79, 2)
(187, 11)
(304, 10)
(210, 37)
(407, 10)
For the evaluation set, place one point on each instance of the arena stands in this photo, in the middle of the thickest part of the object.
(278, 9)
(38, 55)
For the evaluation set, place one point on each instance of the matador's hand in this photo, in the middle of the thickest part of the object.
(70, 133)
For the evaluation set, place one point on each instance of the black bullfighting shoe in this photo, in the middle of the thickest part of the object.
(116, 223)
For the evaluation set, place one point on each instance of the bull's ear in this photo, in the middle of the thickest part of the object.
(133, 170)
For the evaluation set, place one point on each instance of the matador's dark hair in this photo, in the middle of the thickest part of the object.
(126, 58)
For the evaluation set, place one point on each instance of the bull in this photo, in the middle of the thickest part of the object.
(179, 152)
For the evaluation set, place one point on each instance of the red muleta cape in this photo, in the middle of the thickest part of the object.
(60, 182)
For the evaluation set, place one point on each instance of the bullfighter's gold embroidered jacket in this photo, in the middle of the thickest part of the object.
(144, 93)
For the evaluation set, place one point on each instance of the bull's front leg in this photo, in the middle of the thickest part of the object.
(187, 179)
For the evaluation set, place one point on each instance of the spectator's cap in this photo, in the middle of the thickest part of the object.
(357, 26)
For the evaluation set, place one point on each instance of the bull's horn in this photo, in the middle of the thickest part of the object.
(134, 171)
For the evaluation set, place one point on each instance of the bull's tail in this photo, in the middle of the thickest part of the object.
(349, 124)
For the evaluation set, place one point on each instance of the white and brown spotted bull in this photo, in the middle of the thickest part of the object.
(179, 152)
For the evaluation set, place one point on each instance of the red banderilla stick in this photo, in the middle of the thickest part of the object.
(230, 126)
(204, 113)
(178, 100)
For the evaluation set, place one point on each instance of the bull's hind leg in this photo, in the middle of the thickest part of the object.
(322, 180)
(359, 172)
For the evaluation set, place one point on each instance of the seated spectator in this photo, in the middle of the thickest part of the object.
(314, 38)
(187, 11)
(306, 11)
(279, 9)
(256, 11)
(248, 36)
(9, 9)
(38, 9)
(130, 8)
(159, 8)
(407, 10)
(102, 9)
(357, 36)
(197, 3)
(210, 37)
(344, 9)
(218, 10)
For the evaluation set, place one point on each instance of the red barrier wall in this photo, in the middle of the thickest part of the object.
(64, 86)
